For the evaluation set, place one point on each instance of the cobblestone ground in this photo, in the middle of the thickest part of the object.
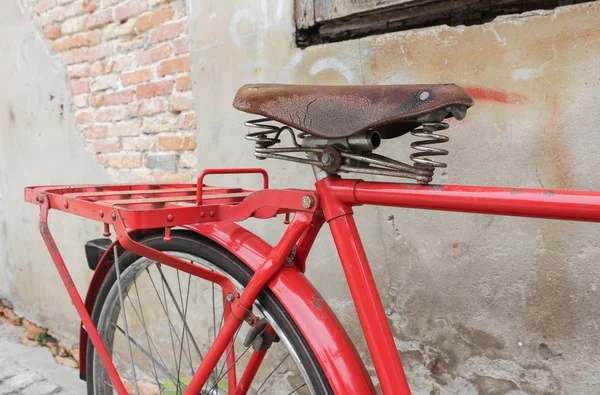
(32, 370)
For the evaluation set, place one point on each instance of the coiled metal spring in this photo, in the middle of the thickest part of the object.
(427, 131)
(268, 134)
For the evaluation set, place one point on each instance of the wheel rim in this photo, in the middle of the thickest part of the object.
(172, 318)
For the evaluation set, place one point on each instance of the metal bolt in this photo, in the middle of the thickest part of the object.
(101, 214)
(202, 214)
(230, 297)
(211, 213)
(170, 218)
(113, 216)
(327, 159)
(308, 201)
(66, 205)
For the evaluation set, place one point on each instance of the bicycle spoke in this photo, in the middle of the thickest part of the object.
(297, 389)
(165, 311)
(236, 360)
(146, 332)
(118, 270)
(187, 328)
(270, 374)
(145, 353)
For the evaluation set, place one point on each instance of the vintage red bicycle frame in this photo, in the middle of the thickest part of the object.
(332, 203)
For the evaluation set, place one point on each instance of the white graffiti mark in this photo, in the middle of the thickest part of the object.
(501, 40)
(334, 64)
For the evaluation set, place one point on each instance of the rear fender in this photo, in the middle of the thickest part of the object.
(325, 335)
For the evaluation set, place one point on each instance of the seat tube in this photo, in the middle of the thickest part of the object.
(365, 295)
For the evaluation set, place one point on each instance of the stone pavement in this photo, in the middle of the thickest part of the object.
(32, 370)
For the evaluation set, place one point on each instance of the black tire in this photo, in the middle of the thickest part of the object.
(193, 244)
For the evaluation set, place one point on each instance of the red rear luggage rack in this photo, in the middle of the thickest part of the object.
(151, 206)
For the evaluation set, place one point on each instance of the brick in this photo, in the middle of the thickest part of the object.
(81, 101)
(182, 45)
(104, 82)
(97, 68)
(183, 84)
(153, 55)
(119, 63)
(108, 3)
(140, 175)
(174, 66)
(53, 32)
(129, 9)
(188, 159)
(178, 104)
(128, 128)
(16, 383)
(44, 387)
(80, 86)
(139, 143)
(9, 370)
(91, 6)
(167, 31)
(101, 51)
(159, 160)
(176, 143)
(153, 89)
(154, 18)
(112, 99)
(63, 2)
(77, 41)
(187, 121)
(134, 44)
(95, 132)
(99, 19)
(115, 30)
(122, 161)
(44, 5)
(79, 70)
(59, 14)
(164, 176)
(74, 25)
(137, 77)
(159, 123)
(113, 114)
(105, 145)
(149, 107)
(78, 55)
(84, 116)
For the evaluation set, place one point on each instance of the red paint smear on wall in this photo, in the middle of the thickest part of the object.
(494, 95)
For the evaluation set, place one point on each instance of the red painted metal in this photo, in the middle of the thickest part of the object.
(325, 335)
(205, 172)
(259, 280)
(135, 207)
(365, 295)
(523, 202)
(76, 298)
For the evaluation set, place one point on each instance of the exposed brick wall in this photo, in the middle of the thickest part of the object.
(129, 68)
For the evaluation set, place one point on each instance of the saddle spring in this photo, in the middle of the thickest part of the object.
(336, 156)
(428, 132)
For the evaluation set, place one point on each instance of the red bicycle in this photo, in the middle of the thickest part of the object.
(209, 307)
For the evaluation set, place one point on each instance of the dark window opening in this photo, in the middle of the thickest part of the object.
(327, 21)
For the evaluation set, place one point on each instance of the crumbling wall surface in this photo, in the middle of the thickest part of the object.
(478, 304)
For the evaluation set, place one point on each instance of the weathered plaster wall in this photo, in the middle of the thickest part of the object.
(478, 304)
(38, 145)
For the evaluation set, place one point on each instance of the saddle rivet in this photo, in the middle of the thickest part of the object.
(170, 218)
(424, 96)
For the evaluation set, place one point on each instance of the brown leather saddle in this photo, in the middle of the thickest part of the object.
(343, 111)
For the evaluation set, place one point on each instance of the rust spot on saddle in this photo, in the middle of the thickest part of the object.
(549, 193)
(515, 191)
(436, 187)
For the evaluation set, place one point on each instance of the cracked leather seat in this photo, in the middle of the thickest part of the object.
(343, 111)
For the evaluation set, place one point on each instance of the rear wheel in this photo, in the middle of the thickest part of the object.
(170, 319)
